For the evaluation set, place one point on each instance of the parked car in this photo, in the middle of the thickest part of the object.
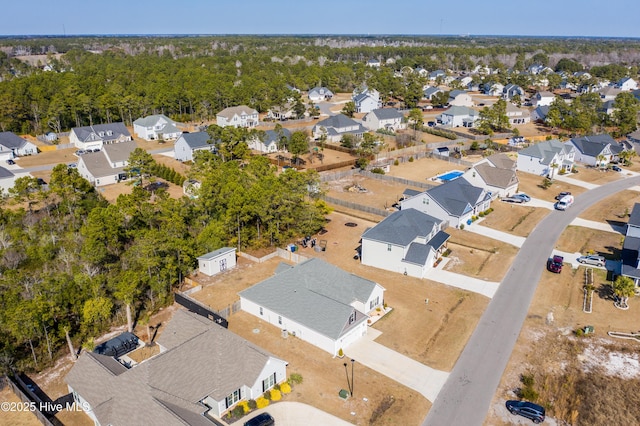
(431, 123)
(524, 197)
(564, 202)
(616, 169)
(73, 166)
(262, 419)
(555, 264)
(562, 195)
(592, 260)
(514, 199)
(531, 411)
(81, 152)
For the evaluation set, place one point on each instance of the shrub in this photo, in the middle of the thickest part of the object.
(395, 163)
(462, 226)
(237, 411)
(411, 159)
(276, 395)
(295, 378)
(276, 386)
(245, 407)
(285, 388)
(267, 395)
(252, 404)
(340, 353)
(377, 170)
(481, 214)
(527, 379)
(529, 394)
(262, 402)
(446, 253)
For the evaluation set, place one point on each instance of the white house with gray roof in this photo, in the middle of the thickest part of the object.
(238, 116)
(367, 100)
(94, 137)
(496, 174)
(454, 202)
(188, 143)
(595, 150)
(459, 116)
(156, 127)
(319, 94)
(384, 118)
(107, 165)
(7, 180)
(316, 302)
(12, 145)
(546, 158)
(202, 371)
(460, 98)
(336, 126)
(270, 141)
(407, 242)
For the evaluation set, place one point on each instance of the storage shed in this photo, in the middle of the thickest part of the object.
(217, 261)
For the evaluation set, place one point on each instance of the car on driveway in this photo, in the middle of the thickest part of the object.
(555, 264)
(531, 411)
(262, 419)
(592, 260)
(10, 162)
(524, 197)
(616, 169)
(513, 199)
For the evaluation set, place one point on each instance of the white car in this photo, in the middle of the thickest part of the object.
(592, 260)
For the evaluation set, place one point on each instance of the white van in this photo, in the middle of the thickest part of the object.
(564, 202)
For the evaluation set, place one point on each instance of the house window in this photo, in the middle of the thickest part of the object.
(233, 398)
(352, 317)
(261, 313)
(269, 382)
(279, 320)
(425, 201)
(388, 247)
(374, 302)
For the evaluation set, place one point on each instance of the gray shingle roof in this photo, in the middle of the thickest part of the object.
(92, 133)
(205, 360)
(461, 111)
(196, 140)
(634, 217)
(417, 253)
(402, 227)
(502, 161)
(338, 121)
(11, 141)
(315, 294)
(98, 163)
(593, 145)
(152, 120)
(546, 150)
(240, 110)
(457, 196)
(495, 176)
(439, 239)
(387, 113)
(5, 173)
(216, 253)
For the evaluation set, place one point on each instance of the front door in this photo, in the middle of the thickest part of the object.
(223, 264)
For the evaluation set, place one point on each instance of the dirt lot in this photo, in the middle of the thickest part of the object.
(577, 239)
(613, 209)
(548, 348)
(517, 219)
(48, 157)
(15, 417)
(530, 184)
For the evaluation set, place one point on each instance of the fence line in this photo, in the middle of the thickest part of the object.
(27, 399)
(395, 179)
(359, 207)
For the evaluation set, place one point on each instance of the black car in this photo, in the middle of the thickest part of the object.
(563, 194)
(262, 419)
(531, 411)
(10, 162)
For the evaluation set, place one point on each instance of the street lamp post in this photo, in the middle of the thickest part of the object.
(347, 374)
(353, 361)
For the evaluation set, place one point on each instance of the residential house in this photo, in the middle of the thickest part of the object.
(496, 174)
(374, 63)
(367, 101)
(512, 90)
(238, 116)
(384, 118)
(156, 127)
(437, 74)
(459, 116)
(607, 107)
(7, 180)
(546, 158)
(407, 242)
(609, 93)
(631, 247)
(464, 80)
(517, 115)
(336, 126)
(460, 98)
(107, 165)
(282, 112)
(455, 202)
(12, 146)
(627, 84)
(493, 89)
(270, 142)
(422, 72)
(542, 98)
(188, 143)
(96, 136)
(319, 94)
(316, 302)
(633, 141)
(430, 91)
(595, 150)
(191, 187)
(217, 261)
(202, 371)
(539, 114)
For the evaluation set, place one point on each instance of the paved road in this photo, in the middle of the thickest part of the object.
(467, 394)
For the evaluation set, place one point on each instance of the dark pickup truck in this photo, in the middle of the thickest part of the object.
(555, 264)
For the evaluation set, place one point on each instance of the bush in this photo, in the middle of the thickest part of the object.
(395, 163)
(237, 412)
(441, 133)
(411, 159)
(527, 380)
(252, 404)
(262, 402)
(285, 388)
(481, 214)
(244, 405)
(295, 379)
(267, 395)
(377, 170)
(462, 226)
(276, 395)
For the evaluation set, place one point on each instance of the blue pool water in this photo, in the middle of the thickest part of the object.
(450, 176)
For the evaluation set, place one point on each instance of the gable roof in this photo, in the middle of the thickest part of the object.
(402, 227)
(455, 93)
(496, 176)
(431, 90)
(239, 110)
(387, 114)
(502, 161)
(206, 360)
(338, 121)
(271, 136)
(92, 133)
(11, 141)
(593, 145)
(5, 173)
(461, 111)
(152, 120)
(634, 217)
(546, 150)
(196, 140)
(98, 163)
(314, 294)
(456, 196)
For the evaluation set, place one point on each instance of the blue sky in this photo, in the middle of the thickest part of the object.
(613, 18)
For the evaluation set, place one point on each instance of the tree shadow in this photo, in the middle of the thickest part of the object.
(605, 292)
(614, 253)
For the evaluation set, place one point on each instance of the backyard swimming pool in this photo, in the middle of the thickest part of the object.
(450, 175)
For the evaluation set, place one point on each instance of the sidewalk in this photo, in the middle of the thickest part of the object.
(575, 182)
(486, 288)
(298, 414)
(514, 240)
(620, 229)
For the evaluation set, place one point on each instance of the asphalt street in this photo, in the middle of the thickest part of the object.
(466, 396)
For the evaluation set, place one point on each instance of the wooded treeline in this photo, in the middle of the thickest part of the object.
(192, 78)
(72, 263)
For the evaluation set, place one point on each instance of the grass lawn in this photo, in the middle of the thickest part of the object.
(577, 239)
(517, 219)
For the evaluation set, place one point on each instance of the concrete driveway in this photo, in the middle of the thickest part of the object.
(297, 414)
(404, 370)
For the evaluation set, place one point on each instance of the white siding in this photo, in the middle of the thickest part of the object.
(633, 231)
(213, 266)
